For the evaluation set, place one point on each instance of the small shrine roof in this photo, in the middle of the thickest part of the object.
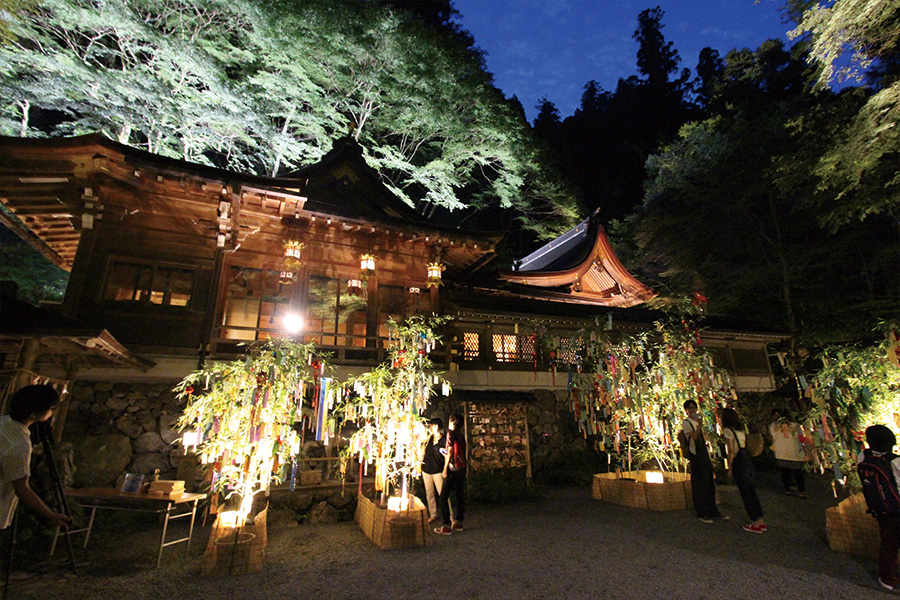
(584, 260)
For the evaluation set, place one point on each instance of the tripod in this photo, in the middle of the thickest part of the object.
(44, 435)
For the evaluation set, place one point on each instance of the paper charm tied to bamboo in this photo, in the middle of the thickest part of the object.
(629, 390)
(387, 404)
(240, 415)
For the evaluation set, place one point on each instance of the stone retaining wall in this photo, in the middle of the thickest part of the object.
(131, 428)
(122, 428)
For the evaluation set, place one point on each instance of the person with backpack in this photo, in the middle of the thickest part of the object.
(454, 477)
(741, 469)
(703, 484)
(879, 473)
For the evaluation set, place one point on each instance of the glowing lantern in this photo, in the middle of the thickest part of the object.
(367, 264)
(434, 273)
(354, 286)
(286, 278)
(292, 250)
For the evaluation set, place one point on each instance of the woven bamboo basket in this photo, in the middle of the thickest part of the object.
(236, 550)
(631, 488)
(851, 529)
(391, 529)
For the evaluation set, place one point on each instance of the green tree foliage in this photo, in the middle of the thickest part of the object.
(266, 87)
(727, 209)
(859, 175)
(38, 279)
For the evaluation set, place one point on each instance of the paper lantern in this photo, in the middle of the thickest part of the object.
(292, 250)
(434, 273)
(367, 264)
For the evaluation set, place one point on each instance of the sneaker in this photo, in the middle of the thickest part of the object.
(443, 530)
(705, 520)
(886, 586)
(723, 517)
(755, 528)
(457, 527)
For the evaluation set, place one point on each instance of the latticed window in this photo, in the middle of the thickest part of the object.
(470, 345)
(568, 351)
(513, 348)
(129, 281)
(256, 303)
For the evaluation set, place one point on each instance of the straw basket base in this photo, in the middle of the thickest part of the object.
(390, 529)
(236, 550)
(851, 529)
(631, 488)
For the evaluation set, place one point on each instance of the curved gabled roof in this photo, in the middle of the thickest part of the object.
(583, 259)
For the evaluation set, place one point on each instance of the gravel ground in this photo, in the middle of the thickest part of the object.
(563, 546)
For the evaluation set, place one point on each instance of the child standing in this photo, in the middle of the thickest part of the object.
(879, 472)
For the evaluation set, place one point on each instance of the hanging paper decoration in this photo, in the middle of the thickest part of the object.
(387, 403)
(245, 410)
(630, 390)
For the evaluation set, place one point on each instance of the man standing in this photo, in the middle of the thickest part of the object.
(703, 484)
(31, 404)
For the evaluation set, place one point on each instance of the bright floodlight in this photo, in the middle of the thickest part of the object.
(293, 323)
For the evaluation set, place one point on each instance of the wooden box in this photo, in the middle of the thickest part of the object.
(394, 529)
(236, 550)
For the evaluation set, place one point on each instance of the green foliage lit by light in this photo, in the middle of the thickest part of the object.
(388, 403)
(857, 386)
(245, 411)
(630, 390)
(267, 87)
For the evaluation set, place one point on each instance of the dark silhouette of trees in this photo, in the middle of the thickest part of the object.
(609, 137)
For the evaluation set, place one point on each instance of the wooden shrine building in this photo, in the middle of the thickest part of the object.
(178, 263)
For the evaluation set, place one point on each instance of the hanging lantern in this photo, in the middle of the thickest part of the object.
(292, 250)
(367, 265)
(286, 278)
(434, 273)
(354, 286)
(414, 290)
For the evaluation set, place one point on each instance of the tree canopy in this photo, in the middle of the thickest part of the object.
(266, 87)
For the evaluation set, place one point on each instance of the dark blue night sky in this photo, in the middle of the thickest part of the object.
(551, 48)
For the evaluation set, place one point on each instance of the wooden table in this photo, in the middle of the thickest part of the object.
(113, 499)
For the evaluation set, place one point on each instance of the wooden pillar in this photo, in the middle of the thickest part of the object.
(59, 419)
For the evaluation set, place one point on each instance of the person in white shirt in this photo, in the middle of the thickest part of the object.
(31, 404)
(789, 454)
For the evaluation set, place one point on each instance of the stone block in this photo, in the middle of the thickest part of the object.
(128, 425)
(148, 463)
(99, 459)
(150, 442)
